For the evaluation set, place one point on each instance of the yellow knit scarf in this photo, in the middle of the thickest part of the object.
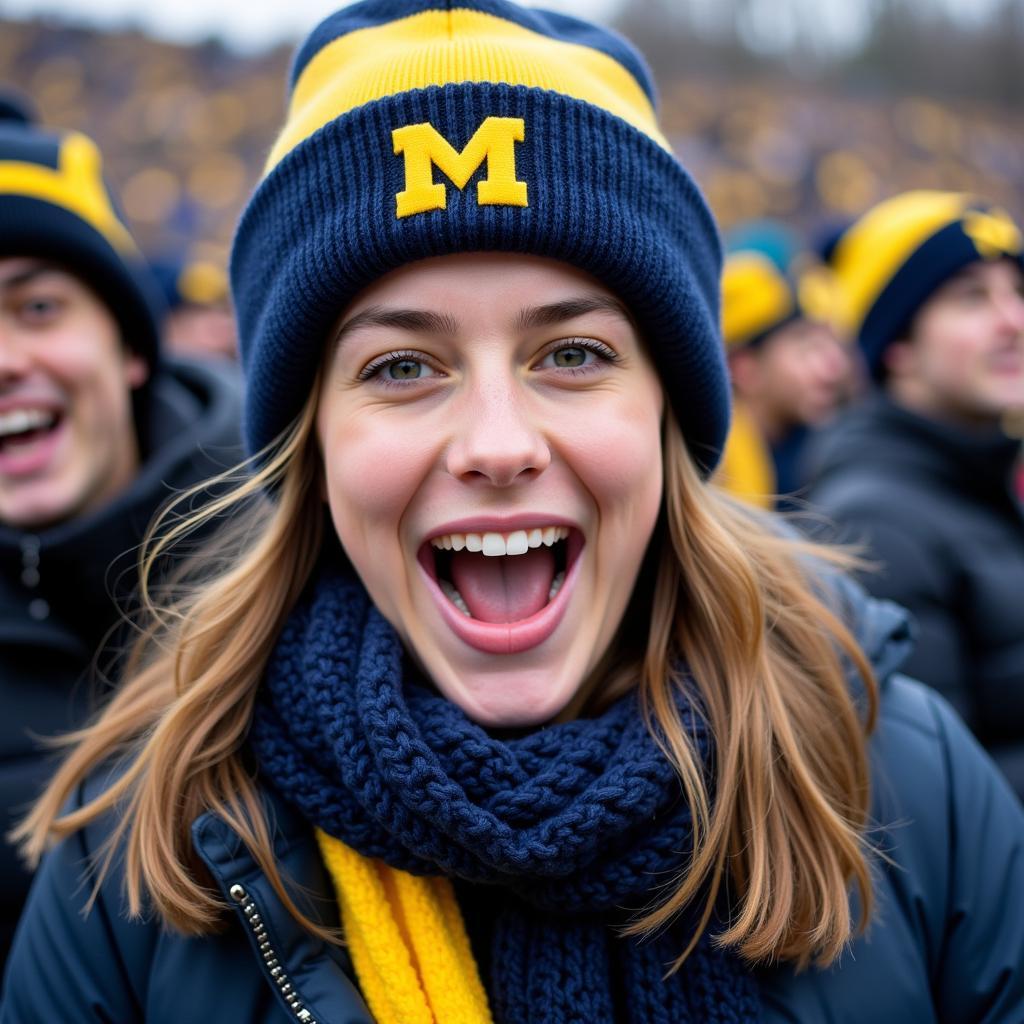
(407, 941)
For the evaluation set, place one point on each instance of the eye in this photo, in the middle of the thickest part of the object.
(969, 292)
(405, 369)
(39, 309)
(578, 354)
(572, 357)
(398, 368)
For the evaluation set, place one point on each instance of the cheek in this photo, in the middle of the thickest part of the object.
(94, 370)
(790, 373)
(73, 367)
(953, 348)
(100, 406)
(372, 470)
(958, 362)
(617, 456)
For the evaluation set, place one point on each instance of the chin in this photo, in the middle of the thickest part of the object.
(36, 513)
(995, 406)
(509, 699)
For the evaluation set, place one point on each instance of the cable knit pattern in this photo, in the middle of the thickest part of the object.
(576, 823)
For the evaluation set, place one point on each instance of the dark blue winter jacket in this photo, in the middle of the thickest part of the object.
(63, 590)
(946, 943)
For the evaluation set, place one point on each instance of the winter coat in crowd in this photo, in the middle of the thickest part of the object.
(935, 507)
(943, 944)
(57, 607)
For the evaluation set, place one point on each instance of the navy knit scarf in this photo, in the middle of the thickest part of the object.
(569, 827)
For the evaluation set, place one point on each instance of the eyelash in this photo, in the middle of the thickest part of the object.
(598, 348)
(374, 367)
(37, 305)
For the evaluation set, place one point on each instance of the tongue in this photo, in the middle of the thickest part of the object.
(507, 588)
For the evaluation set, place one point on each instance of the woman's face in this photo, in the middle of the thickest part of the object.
(490, 430)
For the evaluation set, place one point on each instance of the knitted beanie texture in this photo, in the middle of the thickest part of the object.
(896, 255)
(56, 206)
(419, 128)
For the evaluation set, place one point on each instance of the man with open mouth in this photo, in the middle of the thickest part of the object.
(96, 431)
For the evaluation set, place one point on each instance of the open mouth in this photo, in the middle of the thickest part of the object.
(24, 432)
(503, 592)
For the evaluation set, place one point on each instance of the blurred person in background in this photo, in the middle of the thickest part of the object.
(922, 472)
(790, 373)
(97, 430)
(199, 321)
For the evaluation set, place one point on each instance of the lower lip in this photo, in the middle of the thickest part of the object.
(33, 458)
(511, 637)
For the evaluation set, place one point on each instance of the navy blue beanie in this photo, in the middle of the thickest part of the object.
(55, 205)
(896, 255)
(420, 128)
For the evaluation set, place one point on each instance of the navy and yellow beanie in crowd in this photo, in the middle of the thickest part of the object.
(759, 298)
(419, 128)
(890, 261)
(55, 205)
(187, 282)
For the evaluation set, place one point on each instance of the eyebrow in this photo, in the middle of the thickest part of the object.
(421, 321)
(26, 276)
(425, 321)
(973, 271)
(554, 313)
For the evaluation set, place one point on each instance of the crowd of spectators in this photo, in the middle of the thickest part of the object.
(214, 819)
(186, 129)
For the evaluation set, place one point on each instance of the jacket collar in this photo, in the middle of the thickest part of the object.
(311, 978)
(977, 462)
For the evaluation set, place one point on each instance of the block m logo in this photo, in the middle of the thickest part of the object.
(424, 147)
(993, 233)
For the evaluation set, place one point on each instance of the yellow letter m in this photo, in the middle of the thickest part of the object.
(423, 147)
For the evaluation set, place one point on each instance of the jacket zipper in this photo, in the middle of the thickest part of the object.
(269, 954)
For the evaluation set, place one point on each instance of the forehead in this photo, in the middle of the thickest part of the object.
(988, 272)
(800, 330)
(465, 274)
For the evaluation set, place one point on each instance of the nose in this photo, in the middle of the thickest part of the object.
(1011, 309)
(495, 438)
(14, 361)
(835, 361)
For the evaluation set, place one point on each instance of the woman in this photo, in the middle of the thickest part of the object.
(553, 730)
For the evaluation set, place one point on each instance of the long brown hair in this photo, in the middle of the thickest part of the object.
(784, 827)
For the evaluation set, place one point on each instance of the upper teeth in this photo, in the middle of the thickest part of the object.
(516, 543)
(17, 421)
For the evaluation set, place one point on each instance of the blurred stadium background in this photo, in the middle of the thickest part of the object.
(801, 110)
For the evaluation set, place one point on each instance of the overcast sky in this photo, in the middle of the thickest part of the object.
(246, 24)
(255, 24)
